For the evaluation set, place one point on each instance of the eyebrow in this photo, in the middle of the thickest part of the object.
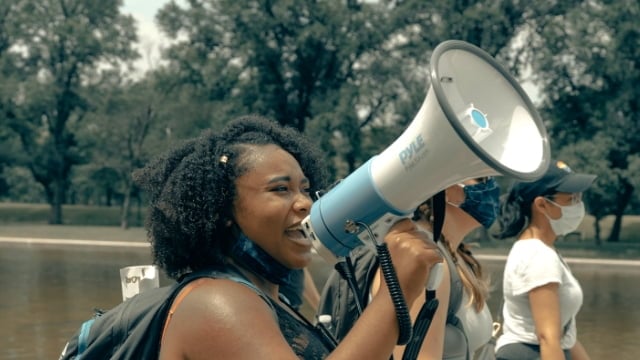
(285, 178)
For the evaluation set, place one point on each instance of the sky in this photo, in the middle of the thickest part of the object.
(150, 39)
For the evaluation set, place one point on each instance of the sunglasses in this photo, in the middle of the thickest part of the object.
(570, 199)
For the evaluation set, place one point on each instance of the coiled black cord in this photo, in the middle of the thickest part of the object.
(391, 278)
(423, 322)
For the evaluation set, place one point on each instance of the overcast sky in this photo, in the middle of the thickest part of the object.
(150, 38)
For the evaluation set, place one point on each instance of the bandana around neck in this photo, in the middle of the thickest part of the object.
(258, 261)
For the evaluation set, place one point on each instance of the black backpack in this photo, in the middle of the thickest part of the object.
(132, 330)
(339, 300)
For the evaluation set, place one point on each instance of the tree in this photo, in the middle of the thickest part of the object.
(343, 71)
(59, 49)
(584, 156)
(586, 62)
(8, 84)
(122, 129)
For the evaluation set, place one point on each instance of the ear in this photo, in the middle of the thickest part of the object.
(540, 204)
(454, 194)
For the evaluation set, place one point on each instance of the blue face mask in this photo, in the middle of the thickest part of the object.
(259, 261)
(482, 201)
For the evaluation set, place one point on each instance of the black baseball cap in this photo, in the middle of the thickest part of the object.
(558, 178)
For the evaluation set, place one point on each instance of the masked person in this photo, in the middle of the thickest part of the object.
(541, 295)
(233, 201)
(462, 322)
(469, 205)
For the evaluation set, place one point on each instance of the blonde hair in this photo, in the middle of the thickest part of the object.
(475, 282)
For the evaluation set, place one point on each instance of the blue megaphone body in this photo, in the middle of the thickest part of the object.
(475, 121)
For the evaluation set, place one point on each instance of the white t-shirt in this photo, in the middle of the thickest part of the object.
(530, 264)
(477, 325)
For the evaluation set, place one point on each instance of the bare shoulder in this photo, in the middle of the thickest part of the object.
(223, 317)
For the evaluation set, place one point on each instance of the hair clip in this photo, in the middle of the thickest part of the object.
(224, 159)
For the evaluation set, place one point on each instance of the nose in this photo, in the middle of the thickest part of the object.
(302, 202)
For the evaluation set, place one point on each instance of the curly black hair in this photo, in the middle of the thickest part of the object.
(192, 190)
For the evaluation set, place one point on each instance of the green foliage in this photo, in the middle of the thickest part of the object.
(83, 215)
(347, 72)
(351, 74)
(58, 47)
(586, 60)
(21, 187)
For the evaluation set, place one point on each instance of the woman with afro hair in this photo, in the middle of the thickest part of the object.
(234, 200)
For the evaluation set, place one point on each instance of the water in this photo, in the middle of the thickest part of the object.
(48, 291)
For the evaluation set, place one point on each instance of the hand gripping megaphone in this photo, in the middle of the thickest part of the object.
(475, 121)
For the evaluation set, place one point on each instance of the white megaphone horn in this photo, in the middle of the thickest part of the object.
(475, 121)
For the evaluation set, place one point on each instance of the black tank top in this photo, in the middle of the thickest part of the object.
(306, 340)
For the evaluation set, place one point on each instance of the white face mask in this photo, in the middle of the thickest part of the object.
(570, 219)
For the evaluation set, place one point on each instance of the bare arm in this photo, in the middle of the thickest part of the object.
(413, 255)
(231, 321)
(433, 345)
(227, 319)
(578, 352)
(545, 309)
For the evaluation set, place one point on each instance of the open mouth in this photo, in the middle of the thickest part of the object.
(296, 235)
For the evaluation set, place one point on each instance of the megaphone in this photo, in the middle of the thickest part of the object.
(476, 121)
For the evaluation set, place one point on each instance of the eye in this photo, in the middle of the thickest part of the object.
(483, 180)
(576, 198)
(280, 188)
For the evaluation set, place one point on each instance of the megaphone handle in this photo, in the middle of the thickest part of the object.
(421, 327)
(390, 277)
(435, 277)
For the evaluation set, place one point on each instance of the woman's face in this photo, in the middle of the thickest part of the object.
(482, 204)
(272, 199)
(455, 193)
(561, 199)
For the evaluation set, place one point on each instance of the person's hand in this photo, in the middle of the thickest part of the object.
(413, 255)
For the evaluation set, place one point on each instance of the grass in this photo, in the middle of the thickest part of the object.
(629, 233)
(17, 213)
(75, 232)
(582, 242)
(80, 222)
(102, 223)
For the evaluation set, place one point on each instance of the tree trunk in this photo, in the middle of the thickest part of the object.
(108, 192)
(126, 207)
(596, 226)
(614, 236)
(55, 217)
(624, 196)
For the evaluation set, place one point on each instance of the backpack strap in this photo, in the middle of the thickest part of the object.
(428, 309)
(456, 290)
(438, 206)
(181, 295)
(456, 287)
(83, 337)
